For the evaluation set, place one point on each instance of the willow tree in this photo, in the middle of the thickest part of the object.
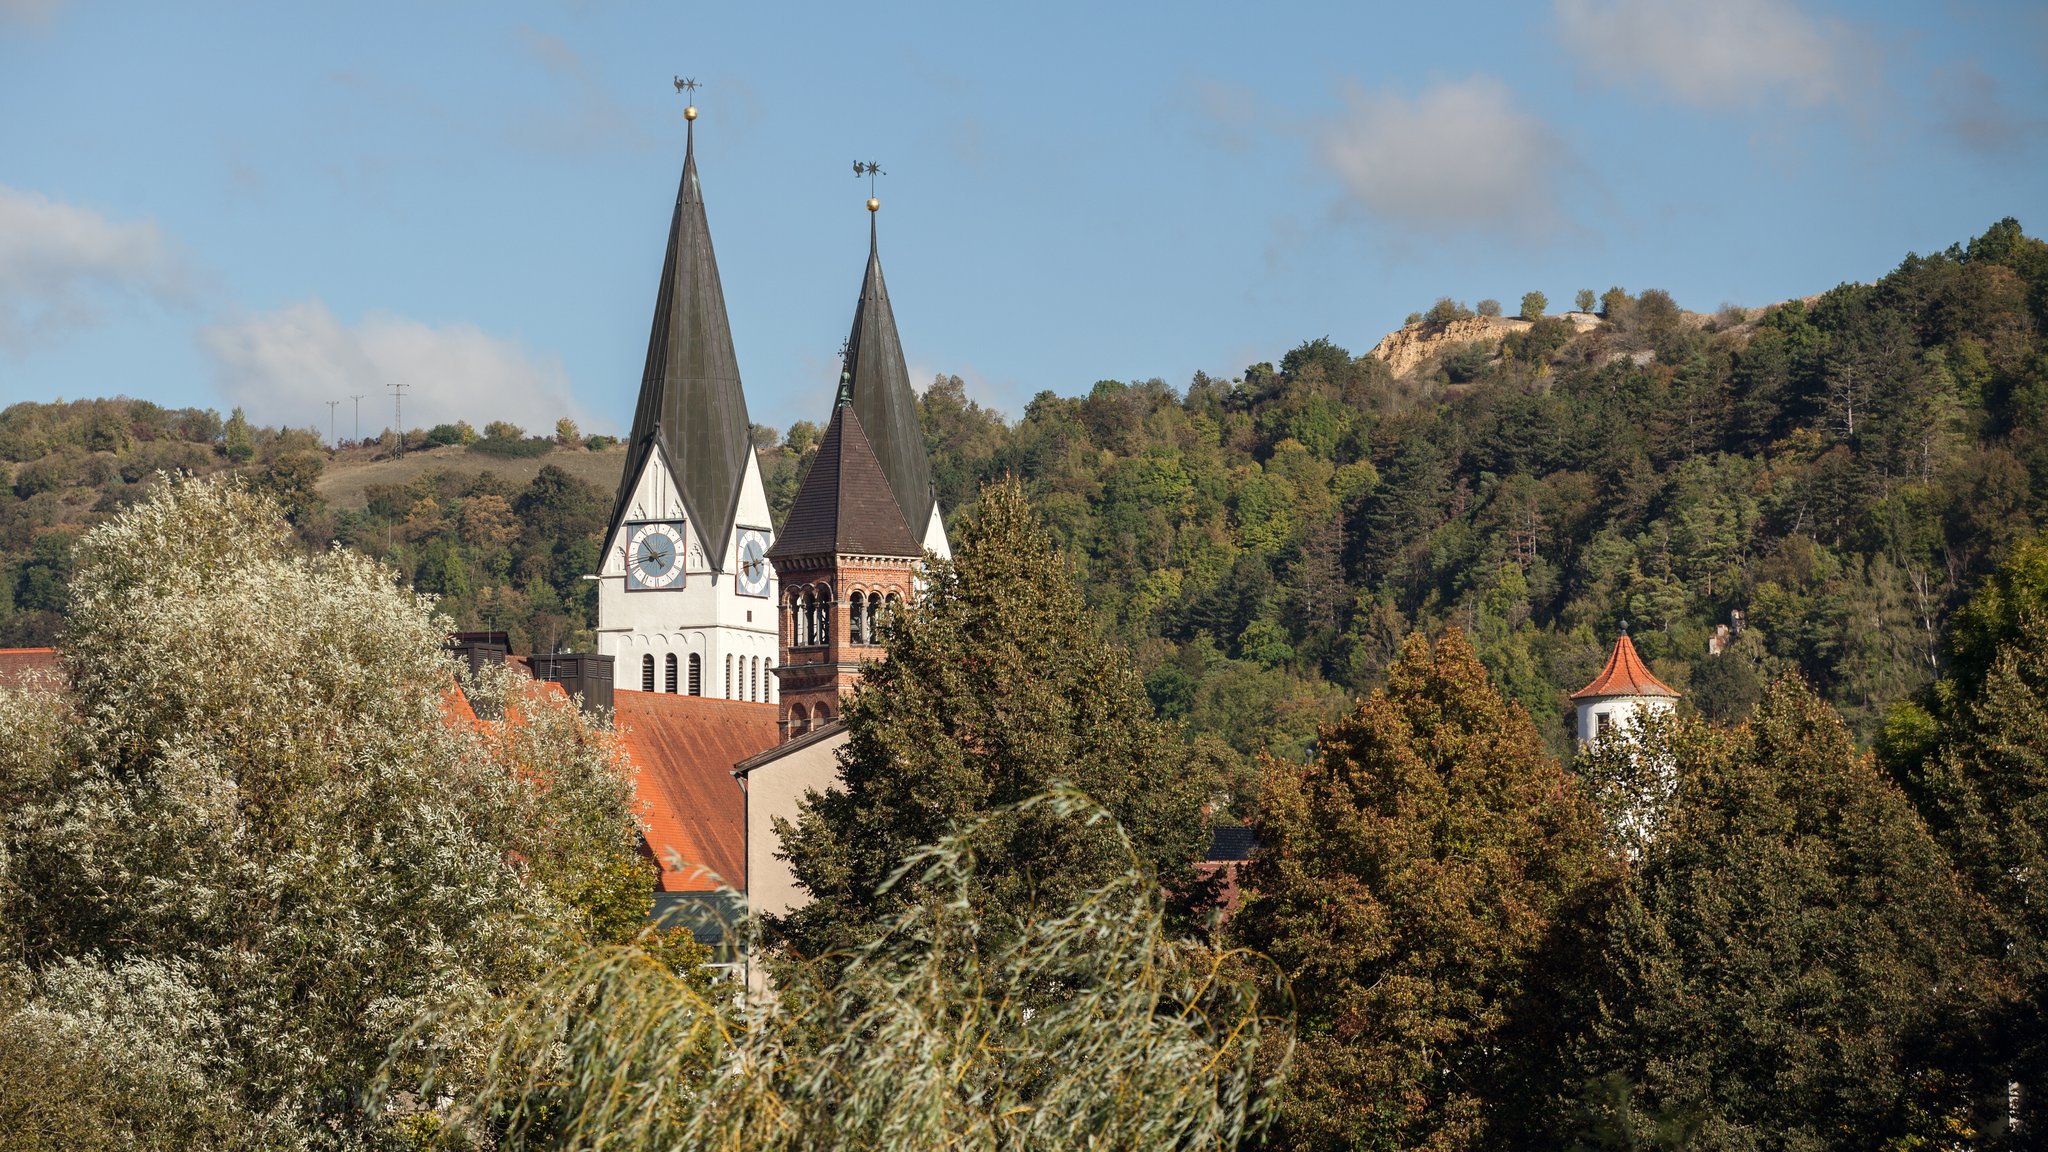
(997, 686)
(254, 841)
(1088, 1026)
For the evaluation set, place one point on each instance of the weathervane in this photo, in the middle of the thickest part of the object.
(689, 85)
(869, 169)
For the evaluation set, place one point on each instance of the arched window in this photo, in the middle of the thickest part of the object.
(874, 628)
(669, 668)
(754, 685)
(647, 672)
(796, 720)
(728, 676)
(823, 622)
(810, 618)
(696, 674)
(768, 680)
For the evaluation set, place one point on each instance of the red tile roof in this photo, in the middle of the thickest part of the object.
(16, 664)
(683, 749)
(1625, 675)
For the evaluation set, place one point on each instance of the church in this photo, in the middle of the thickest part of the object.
(730, 646)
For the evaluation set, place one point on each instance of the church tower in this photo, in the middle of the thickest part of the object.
(686, 596)
(861, 522)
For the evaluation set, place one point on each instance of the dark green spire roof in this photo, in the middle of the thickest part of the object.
(691, 410)
(882, 397)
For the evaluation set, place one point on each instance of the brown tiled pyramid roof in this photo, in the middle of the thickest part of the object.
(845, 505)
(682, 750)
(1625, 675)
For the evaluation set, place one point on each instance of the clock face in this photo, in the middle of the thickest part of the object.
(753, 563)
(654, 555)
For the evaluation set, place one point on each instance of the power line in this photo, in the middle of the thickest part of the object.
(359, 417)
(398, 388)
(332, 407)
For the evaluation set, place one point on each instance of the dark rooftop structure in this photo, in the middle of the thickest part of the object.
(845, 506)
(882, 396)
(691, 410)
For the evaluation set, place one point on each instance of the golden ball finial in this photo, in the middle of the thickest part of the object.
(690, 113)
(874, 205)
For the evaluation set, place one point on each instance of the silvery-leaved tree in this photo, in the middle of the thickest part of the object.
(258, 837)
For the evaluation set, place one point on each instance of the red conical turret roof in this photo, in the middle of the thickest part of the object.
(1625, 675)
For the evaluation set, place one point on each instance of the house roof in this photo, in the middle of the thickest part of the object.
(682, 750)
(692, 411)
(1625, 675)
(824, 731)
(845, 505)
(883, 397)
(18, 664)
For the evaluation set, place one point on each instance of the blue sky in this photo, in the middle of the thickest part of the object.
(277, 205)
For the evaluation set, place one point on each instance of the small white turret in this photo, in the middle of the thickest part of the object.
(1624, 694)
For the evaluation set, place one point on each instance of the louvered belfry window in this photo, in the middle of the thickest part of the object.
(669, 680)
(647, 673)
(696, 675)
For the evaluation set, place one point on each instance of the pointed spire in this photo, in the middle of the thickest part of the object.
(882, 396)
(691, 411)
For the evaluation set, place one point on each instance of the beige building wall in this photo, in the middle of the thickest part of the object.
(776, 785)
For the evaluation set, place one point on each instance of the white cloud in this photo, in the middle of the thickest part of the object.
(1459, 157)
(60, 265)
(282, 367)
(1719, 53)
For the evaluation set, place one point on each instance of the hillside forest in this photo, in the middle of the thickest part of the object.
(1810, 487)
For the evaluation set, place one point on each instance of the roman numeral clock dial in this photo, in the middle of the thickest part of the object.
(654, 555)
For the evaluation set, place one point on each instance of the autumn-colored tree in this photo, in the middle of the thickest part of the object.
(1792, 964)
(996, 685)
(1409, 878)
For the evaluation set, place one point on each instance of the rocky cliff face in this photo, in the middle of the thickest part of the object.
(1409, 348)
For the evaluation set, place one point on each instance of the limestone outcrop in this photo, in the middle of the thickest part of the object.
(1407, 349)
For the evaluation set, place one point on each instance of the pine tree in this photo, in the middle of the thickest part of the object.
(997, 684)
(1408, 878)
(1792, 959)
(1974, 756)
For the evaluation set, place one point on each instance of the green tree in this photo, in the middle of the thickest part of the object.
(1973, 751)
(996, 685)
(1409, 878)
(1792, 964)
(236, 441)
(1489, 307)
(1534, 305)
(1446, 310)
(249, 847)
(1584, 300)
